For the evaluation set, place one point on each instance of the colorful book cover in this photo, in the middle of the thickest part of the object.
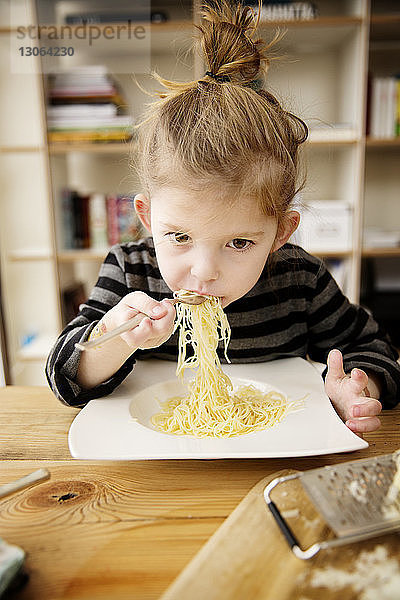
(112, 219)
(127, 220)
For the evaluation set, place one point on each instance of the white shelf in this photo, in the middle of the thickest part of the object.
(168, 37)
(328, 138)
(383, 142)
(28, 254)
(94, 148)
(71, 256)
(322, 77)
(10, 149)
(380, 252)
(332, 253)
(321, 34)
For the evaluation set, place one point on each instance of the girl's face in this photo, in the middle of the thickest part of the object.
(209, 246)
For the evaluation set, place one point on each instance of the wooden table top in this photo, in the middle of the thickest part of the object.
(112, 530)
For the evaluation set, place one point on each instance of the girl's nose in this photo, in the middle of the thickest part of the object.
(204, 269)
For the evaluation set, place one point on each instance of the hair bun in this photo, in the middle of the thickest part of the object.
(227, 44)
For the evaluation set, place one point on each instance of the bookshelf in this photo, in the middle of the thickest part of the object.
(322, 76)
(380, 266)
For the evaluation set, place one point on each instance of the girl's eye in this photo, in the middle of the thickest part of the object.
(240, 244)
(179, 238)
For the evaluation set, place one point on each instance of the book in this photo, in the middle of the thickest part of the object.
(384, 107)
(375, 109)
(112, 219)
(81, 111)
(85, 105)
(108, 17)
(68, 225)
(128, 227)
(81, 221)
(288, 11)
(97, 220)
(98, 234)
(391, 115)
(78, 123)
(398, 108)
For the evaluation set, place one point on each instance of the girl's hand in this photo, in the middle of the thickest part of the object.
(150, 333)
(350, 396)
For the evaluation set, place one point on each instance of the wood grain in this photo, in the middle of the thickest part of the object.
(25, 410)
(248, 558)
(102, 530)
(105, 531)
(34, 424)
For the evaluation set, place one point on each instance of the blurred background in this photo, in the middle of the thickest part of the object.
(69, 75)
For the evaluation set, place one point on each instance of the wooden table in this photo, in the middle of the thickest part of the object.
(112, 530)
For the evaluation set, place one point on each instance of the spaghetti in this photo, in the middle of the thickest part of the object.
(211, 408)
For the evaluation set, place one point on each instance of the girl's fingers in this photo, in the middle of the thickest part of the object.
(151, 332)
(364, 424)
(141, 302)
(335, 365)
(360, 378)
(138, 334)
(367, 408)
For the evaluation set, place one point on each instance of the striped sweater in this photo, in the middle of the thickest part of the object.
(295, 309)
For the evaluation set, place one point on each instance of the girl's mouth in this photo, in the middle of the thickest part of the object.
(222, 299)
(204, 293)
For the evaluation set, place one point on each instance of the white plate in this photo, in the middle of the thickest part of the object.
(105, 429)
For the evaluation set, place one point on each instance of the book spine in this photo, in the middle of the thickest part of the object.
(81, 229)
(375, 107)
(385, 114)
(128, 224)
(381, 107)
(393, 106)
(85, 222)
(68, 225)
(398, 108)
(98, 221)
(112, 219)
(77, 217)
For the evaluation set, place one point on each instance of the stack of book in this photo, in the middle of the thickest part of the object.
(384, 107)
(139, 12)
(288, 11)
(85, 105)
(97, 220)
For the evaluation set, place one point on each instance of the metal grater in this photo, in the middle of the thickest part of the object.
(358, 500)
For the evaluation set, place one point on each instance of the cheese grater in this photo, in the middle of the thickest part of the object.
(358, 500)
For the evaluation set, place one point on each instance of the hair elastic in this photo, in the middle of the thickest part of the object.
(218, 78)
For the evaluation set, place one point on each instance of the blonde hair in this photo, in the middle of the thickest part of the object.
(221, 132)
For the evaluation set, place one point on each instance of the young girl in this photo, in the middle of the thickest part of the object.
(218, 164)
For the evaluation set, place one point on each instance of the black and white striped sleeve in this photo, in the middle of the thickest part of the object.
(63, 360)
(334, 322)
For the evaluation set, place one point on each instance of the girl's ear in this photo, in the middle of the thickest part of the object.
(142, 208)
(286, 228)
